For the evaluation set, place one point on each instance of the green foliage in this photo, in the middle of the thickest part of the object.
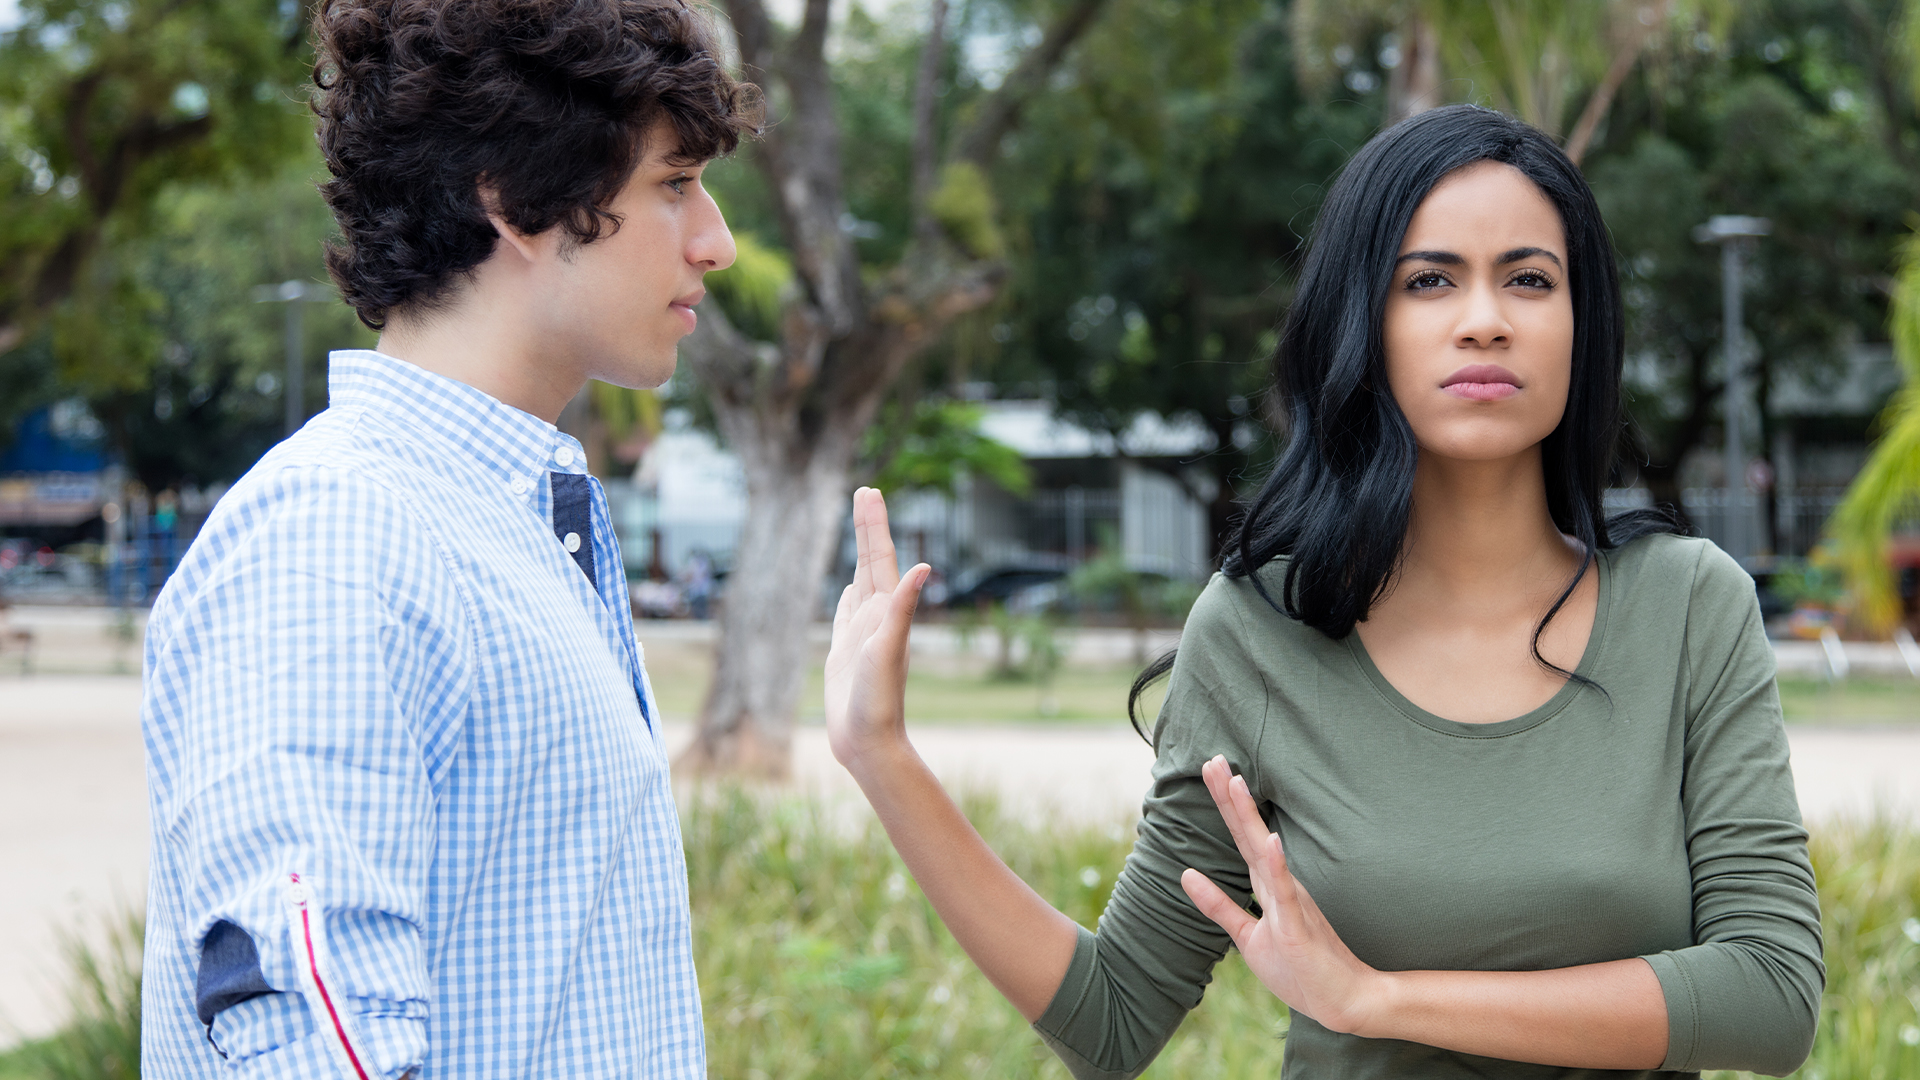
(755, 287)
(1108, 582)
(625, 411)
(102, 108)
(1886, 492)
(102, 1039)
(207, 399)
(1807, 581)
(938, 443)
(1156, 212)
(819, 958)
(963, 205)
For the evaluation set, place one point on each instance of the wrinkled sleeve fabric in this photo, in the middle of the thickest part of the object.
(1130, 984)
(298, 715)
(1746, 994)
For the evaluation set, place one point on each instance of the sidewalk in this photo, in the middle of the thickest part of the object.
(73, 811)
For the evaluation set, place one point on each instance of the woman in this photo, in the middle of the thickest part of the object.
(1512, 790)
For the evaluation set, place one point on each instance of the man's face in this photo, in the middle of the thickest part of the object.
(618, 307)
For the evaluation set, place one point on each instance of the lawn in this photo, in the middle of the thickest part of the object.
(819, 958)
(962, 690)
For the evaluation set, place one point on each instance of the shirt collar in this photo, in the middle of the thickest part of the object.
(465, 422)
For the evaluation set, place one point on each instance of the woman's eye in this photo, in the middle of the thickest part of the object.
(1427, 279)
(1532, 279)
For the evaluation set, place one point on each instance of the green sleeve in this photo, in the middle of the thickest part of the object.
(1129, 986)
(1746, 995)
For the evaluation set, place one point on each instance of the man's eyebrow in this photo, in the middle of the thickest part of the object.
(1444, 258)
(1519, 253)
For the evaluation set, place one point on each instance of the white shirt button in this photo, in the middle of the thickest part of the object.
(564, 456)
(572, 541)
(521, 485)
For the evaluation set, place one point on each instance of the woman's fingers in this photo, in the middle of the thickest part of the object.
(891, 635)
(1218, 906)
(879, 569)
(1247, 828)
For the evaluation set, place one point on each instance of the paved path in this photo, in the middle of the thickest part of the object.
(73, 837)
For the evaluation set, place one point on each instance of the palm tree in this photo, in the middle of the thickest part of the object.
(1886, 493)
(1524, 57)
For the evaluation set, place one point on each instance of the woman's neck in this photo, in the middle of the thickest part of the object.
(1481, 529)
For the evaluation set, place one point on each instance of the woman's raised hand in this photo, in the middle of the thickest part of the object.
(867, 664)
(1291, 948)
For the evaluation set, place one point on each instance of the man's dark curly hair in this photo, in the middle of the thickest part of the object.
(547, 102)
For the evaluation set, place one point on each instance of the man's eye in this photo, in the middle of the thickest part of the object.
(679, 184)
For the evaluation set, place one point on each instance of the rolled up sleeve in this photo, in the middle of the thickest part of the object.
(1130, 985)
(296, 720)
(1746, 994)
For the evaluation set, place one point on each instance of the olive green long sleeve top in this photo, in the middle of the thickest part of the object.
(1652, 815)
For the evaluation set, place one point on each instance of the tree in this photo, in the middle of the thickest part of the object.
(1888, 487)
(1157, 253)
(102, 106)
(795, 408)
(1529, 59)
(1771, 118)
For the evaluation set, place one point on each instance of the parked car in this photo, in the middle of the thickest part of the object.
(1008, 584)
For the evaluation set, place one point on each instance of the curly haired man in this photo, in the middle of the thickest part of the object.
(410, 804)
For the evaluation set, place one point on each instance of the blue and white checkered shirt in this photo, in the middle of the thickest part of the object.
(409, 809)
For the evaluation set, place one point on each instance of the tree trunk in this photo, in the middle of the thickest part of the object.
(1413, 86)
(796, 496)
(795, 411)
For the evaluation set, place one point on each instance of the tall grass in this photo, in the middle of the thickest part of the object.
(101, 1040)
(819, 959)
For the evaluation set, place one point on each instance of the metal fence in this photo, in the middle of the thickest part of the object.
(1785, 523)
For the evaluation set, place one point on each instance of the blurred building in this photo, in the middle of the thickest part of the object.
(1091, 493)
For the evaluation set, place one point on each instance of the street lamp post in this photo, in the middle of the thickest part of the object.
(293, 293)
(1735, 234)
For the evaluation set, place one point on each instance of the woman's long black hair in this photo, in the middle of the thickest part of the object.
(1337, 502)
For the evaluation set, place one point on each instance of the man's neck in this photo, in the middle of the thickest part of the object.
(489, 347)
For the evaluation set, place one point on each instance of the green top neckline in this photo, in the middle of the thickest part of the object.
(1589, 661)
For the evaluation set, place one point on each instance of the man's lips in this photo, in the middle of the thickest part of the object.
(1482, 382)
(683, 306)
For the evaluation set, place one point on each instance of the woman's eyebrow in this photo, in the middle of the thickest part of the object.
(1444, 258)
(1526, 253)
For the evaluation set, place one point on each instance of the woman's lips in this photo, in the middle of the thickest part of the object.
(1482, 382)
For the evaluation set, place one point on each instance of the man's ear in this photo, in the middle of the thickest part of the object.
(529, 247)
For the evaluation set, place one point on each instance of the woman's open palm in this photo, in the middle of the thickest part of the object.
(866, 672)
(1291, 947)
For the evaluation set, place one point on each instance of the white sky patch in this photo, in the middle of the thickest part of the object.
(9, 14)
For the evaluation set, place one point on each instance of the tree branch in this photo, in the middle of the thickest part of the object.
(754, 32)
(932, 53)
(1624, 58)
(811, 42)
(1000, 113)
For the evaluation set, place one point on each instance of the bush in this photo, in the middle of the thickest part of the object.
(818, 958)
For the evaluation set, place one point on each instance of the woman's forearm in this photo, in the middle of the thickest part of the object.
(1596, 1016)
(1019, 941)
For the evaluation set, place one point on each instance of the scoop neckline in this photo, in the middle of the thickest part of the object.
(1589, 660)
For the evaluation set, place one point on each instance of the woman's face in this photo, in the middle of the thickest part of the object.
(1479, 321)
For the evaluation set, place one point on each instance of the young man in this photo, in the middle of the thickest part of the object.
(410, 805)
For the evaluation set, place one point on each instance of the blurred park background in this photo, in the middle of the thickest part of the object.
(1057, 240)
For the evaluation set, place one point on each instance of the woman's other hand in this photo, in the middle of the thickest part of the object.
(866, 673)
(1291, 948)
